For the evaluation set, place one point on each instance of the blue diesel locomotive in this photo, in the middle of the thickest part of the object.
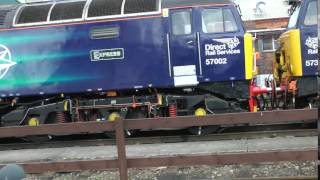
(296, 60)
(83, 60)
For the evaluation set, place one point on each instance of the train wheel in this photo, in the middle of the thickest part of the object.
(52, 118)
(136, 114)
(35, 121)
(133, 114)
(38, 139)
(88, 115)
(202, 130)
(112, 118)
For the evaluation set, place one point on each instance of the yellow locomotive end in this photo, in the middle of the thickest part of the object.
(248, 50)
(288, 62)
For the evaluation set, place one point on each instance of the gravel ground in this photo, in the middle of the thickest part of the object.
(279, 169)
(156, 150)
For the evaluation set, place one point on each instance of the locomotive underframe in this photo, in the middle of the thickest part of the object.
(307, 91)
(293, 92)
(134, 105)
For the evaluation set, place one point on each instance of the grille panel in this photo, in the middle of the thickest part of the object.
(105, 32)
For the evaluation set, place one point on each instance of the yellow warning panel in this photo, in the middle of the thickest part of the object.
(248, 50)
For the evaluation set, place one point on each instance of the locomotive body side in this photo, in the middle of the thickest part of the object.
(141, 52)
(68, 59)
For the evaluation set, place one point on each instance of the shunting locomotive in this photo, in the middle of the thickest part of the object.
(96, 60)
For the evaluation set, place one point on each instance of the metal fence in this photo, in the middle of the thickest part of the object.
(123, 163)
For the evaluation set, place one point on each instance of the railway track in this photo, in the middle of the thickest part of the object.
(161, 139)
(280, 178)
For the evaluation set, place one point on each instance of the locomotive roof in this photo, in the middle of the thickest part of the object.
(175, 3)
(170, 3)
(49, 12)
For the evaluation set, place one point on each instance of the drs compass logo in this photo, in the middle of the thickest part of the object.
(5, 61)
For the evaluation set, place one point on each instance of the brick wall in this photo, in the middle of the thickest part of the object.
(266, 60)
(266, 24)
(265, 63)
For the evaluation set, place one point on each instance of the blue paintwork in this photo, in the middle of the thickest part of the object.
(56, 59)
(307, 32)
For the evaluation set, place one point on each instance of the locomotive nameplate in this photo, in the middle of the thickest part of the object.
(107, 54)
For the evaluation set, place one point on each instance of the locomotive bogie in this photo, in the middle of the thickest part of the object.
(45, 114)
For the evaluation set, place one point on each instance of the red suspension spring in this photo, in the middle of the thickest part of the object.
(61, 117)
(173, 110)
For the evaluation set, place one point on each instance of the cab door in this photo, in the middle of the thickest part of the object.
(221, 40)
(182, 50)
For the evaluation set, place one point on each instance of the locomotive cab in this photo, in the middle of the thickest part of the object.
(207, 43)
(296, 60)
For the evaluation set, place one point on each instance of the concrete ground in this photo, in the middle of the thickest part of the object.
(151, 150)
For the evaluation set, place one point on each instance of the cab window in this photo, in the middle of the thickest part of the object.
(181, 23)
(218, 20)
(311, 15)
(294, 18)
